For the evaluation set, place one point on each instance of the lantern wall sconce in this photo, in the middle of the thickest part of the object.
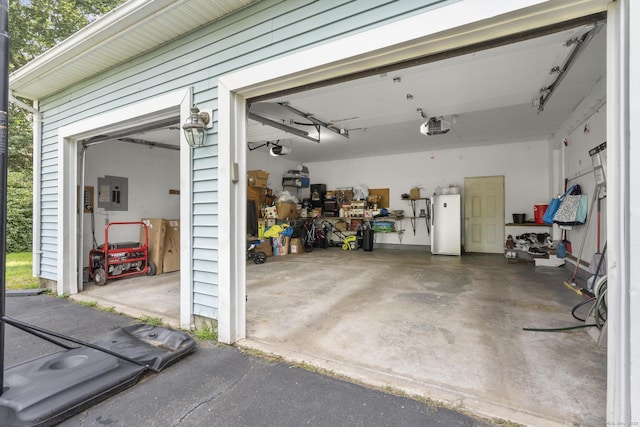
(195, 126)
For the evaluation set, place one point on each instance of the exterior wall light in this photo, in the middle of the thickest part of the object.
(194, 127)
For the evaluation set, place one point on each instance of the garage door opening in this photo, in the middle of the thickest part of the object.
(397, 316)
(129, 178)
(132, 152)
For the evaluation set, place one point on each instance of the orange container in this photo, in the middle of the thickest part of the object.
(538, 213)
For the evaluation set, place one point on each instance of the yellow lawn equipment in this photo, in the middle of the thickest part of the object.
(350, 243)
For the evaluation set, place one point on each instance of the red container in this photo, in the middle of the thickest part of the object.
(538, 213)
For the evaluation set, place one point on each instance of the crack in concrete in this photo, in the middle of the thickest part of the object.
(211, 399)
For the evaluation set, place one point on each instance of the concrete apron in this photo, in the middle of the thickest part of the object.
(138, 296)
(438, 327)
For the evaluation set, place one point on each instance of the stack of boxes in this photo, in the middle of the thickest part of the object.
(164, 243)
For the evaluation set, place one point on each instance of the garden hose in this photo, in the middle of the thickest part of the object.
(567, 328)
(573, 311)
(599, 313)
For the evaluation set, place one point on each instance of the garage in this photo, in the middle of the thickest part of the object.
(401, 316)
(315, 59)
(131, 180)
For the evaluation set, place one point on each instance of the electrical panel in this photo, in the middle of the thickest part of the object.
(113, 193)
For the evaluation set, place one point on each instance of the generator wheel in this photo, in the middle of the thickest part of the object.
(151, 271)
(100, 277)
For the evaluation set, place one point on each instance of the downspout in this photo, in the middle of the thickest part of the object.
(36, 250)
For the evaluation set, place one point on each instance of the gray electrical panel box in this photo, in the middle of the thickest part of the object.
(113, 193)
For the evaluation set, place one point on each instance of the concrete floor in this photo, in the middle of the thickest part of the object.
(447, 328)
(155, 296)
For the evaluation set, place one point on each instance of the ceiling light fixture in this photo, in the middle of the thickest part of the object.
(194, 127)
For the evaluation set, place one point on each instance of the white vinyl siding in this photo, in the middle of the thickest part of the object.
(265, 30)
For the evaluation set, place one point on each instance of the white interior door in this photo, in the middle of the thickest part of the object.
(484, 214)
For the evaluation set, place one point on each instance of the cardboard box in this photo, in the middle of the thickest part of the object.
(156, 228)
(171, 258)
(295, 246)
(287, 210)
(265, 246)
(257, 178)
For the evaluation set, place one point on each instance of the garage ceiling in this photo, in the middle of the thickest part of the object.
(487, 96)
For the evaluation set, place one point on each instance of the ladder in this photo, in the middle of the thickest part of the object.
(599, 169)
(598, 334)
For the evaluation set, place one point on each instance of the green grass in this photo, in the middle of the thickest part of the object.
(19, 273)
(92, 304)
(207, 331)
(150, 320)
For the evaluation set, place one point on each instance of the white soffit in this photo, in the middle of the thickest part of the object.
(128, 31)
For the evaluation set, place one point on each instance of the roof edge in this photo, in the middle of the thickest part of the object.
(123, 17)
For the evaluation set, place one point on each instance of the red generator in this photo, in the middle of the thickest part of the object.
(117, 260)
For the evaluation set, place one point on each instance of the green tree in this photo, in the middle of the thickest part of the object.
(34, 27)
(19, 212)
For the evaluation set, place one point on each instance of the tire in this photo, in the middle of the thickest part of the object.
(260, 257)
(151, 270)
(100, 277)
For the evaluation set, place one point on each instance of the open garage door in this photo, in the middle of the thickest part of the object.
(398, 316)
(136, 147)
(132, 178)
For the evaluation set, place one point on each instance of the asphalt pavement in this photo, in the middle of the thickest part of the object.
(216, 385)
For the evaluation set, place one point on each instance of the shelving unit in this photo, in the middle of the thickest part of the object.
(525, 227)
(414, 207)
(398, 231)
(297, 183)
(527, 224)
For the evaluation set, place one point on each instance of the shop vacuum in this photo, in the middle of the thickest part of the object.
(367, 239)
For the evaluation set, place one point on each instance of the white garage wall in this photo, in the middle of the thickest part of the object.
(579, 170)
(152, 172)
(525, 166)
